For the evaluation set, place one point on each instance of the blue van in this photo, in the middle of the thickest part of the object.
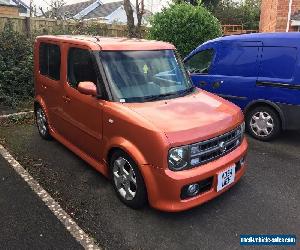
(258, 72)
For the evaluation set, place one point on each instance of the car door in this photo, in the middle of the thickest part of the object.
(235, 71)
(200, 66)
(82, 113)
(50, 81)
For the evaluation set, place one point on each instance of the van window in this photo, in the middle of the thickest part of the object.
(278, 62)
(237, 61)
(80, 67)
(200, 62)
(49, 57)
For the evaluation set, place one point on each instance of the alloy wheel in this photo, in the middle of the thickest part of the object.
(41, 121)
(124, 178)
(262, 124)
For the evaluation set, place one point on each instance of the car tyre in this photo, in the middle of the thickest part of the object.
(127, 180)
(42, 123)
(263, 123)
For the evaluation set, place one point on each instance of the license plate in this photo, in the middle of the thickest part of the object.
(225, 178)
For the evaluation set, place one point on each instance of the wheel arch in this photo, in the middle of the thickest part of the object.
(266, 103)
(128, 148)
(136, 158)
(38, 101)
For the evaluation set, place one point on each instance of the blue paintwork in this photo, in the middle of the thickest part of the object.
(241, 61)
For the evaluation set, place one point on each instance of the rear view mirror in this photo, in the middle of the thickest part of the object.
(87, 88)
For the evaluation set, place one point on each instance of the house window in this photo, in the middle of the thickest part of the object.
(50, 60)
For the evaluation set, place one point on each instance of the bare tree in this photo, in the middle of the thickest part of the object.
(134, 30)
(54, 10)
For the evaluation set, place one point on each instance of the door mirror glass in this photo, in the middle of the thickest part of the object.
(87, 88)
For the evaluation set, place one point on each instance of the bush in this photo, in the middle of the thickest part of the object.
(185, 26)
(16, 67)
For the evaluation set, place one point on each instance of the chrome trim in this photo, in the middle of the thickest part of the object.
(214, 147)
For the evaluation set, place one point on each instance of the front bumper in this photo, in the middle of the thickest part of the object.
(164, 186)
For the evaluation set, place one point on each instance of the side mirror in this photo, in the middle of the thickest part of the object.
(87, 88)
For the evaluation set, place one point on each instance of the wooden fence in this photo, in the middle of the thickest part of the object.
(235, 30)
(37, 25)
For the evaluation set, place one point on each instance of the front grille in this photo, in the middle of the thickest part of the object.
(214, 148)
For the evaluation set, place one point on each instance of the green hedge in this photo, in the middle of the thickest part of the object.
(16, 61)
(16, 67)
(184, 25)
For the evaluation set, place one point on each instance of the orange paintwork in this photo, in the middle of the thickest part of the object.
(91, 127)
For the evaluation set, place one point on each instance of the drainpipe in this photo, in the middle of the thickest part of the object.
(289, 16)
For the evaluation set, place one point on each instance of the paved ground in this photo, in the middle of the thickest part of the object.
(265, 201)
(25, 220)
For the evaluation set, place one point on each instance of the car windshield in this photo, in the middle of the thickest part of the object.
(140, 76)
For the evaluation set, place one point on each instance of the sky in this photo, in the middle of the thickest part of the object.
(154, 5)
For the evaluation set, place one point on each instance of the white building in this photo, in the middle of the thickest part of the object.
(96, 10)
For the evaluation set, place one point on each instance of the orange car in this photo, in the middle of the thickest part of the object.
(128, 108)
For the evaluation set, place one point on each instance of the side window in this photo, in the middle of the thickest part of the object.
(237, 61)
(49, 55)
(201, 62)
(80, 67)
(278, 62)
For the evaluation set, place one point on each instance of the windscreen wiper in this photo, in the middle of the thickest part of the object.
(159, 97)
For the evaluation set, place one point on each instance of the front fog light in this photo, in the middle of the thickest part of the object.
(178, 158)
(192, 189)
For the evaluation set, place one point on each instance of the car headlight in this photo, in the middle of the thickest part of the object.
(178, 158)
(189, 156)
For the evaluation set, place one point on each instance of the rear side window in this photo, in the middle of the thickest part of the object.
(50, 60)
(237, 61)
(278, 62)
(80, 67)
(200, 62)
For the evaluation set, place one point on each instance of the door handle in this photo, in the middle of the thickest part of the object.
(66, 99)
(216, 85)
(44, 86)
(202, 83)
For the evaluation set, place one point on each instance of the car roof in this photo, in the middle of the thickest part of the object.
(278, 39)
(275, 37)
(110, 43)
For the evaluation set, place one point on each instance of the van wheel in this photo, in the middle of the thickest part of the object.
(263, 123)
(42, 123)
(127, 180)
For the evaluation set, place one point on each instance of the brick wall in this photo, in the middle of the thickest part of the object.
(9, 10)
(268, 17)
(274, 15)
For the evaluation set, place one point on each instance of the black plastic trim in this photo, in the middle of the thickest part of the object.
(278, 85)
(233, 97)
